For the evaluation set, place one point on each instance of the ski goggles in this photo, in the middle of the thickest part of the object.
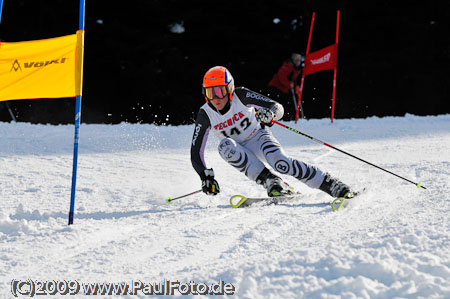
(215, 92)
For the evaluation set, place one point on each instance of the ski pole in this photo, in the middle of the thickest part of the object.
(419, 185)
(170, 199)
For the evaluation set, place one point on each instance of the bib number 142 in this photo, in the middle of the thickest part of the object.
(244, 124)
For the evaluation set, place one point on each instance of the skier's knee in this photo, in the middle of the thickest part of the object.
(227, 148)
(282, 166)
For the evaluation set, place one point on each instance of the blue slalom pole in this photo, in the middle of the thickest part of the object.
(81, 18)
(75, 158)
(1, 8)
(77, 133)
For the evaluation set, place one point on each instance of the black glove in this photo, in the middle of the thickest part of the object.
(209, 184)
(265, 116)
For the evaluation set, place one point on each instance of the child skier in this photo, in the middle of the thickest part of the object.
(239, 117)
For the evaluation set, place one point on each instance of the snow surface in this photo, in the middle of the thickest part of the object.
(392, 242)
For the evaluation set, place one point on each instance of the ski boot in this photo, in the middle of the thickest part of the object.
(273, 184)
(336, 189)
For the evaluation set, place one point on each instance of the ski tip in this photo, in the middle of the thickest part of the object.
(340, 201)
(240, 202)
(169, 200)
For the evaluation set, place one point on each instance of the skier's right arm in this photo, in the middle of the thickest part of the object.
(201, 131)
(199, 138)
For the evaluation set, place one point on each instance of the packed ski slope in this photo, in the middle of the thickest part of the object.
(392, 242)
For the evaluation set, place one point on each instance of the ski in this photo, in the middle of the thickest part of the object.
(240, 201)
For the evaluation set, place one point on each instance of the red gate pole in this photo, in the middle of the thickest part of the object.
(335, 67)
(303, 73)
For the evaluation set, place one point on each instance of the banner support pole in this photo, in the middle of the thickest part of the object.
(77, 124)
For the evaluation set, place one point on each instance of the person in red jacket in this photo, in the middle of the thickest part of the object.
(282, 86)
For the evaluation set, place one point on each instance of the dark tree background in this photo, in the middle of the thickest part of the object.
(394, 56)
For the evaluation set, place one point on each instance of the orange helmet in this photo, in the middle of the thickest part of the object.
(218, 83)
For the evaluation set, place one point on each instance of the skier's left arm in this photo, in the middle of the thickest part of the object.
(266, 108)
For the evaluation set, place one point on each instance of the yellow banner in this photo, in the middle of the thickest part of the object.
(48, 68)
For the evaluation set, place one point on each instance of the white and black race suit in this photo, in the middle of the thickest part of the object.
(244, 143)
